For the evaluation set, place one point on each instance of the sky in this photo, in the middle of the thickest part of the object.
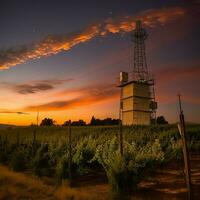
(63, 58)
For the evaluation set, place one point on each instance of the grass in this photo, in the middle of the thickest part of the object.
(18, 186)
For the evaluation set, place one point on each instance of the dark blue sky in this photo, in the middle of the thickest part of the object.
(24, 21)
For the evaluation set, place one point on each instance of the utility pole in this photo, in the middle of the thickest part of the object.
(37, 117)
(34, 134)
(182, 131)
(70, 152)
(120, 125)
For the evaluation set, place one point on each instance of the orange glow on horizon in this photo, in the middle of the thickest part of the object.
(85, 112)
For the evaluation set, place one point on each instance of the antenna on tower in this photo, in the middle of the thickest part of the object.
(139, 64)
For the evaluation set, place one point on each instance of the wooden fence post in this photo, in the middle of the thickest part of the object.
(70, 152)
(34, 142)
(182, 131)
(6, 144)
(18, 138)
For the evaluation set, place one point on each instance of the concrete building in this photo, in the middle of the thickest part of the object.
(137, 99)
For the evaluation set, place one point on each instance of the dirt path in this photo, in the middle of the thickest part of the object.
(167, 184)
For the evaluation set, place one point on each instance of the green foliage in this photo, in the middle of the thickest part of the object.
(85, 151)
(173, 150)
(18, 161)
(57, 151)
(150, 154)
(124, 172)
(145, 147)
(41, 162)
(62, 168)
(3, 150)
(3, 157)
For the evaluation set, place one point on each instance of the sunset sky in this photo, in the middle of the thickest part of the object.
(63, 57)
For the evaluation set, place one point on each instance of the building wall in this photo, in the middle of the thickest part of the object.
(127, 118)
(136, 104)
(141, 104)
(141, 90)
(127, 91)
(141, 118)
(128, 104)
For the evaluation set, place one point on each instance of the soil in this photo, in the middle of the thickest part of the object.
(167, 183)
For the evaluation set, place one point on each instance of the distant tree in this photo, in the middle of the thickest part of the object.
(47, 122)
(161, 120)
(107, 121)
(110, 121)
(32, 124)
(80, 122)
(115, 121)
(93, 121)
(66, 123)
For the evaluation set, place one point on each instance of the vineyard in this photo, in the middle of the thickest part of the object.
(44, 152)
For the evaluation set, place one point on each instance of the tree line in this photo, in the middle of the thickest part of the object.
(93, 122)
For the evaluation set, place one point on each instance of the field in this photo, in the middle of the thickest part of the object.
(151, 163)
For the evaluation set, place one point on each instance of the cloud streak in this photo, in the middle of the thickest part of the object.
(54, 44)
(88, 96)
(14, 112)
(36, 86)
(102, 93)
(30, 89)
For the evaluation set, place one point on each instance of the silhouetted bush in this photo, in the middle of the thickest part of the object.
(18, 161)
(80, 122)
(47, 122)
(161, 120)
(103, 122)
